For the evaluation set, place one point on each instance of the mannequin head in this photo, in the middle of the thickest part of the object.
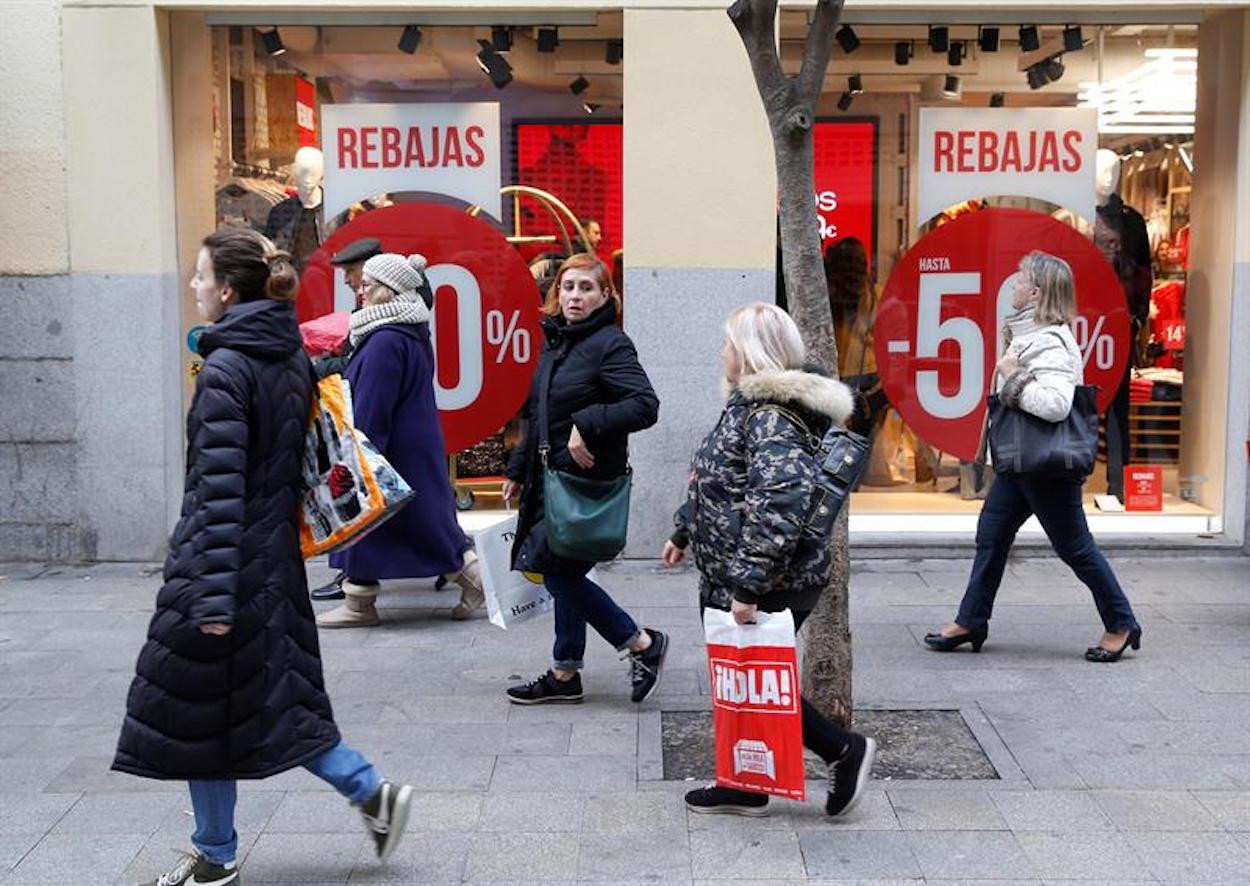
(307, 169)
(1107, 175)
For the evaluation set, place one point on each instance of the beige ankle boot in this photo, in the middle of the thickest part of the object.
(358, 609)
(470, 581)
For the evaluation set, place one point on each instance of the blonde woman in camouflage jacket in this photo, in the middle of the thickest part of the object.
(750, 484)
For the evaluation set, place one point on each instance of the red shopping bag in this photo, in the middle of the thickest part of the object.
(755, 694)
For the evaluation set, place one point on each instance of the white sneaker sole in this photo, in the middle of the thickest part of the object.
(399, 820)
(551, 699)
(730, 809)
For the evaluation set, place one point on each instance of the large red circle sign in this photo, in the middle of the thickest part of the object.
(938, 327)
(486, 321)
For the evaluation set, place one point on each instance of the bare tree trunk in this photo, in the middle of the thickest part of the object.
(790, 103)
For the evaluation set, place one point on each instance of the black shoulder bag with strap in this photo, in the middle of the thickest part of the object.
(585, 519)
(841, 459)
(1023, 443)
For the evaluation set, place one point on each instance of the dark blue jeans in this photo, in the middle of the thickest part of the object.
(580, 601)
(1057, 503)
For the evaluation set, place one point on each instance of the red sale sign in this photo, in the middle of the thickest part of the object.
(485, 326)
(755, 713)
(938, 326)
(846, 178)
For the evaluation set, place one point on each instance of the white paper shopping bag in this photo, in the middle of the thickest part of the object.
(511, 597)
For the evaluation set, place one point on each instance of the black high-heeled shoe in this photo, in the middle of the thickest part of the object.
(939, 643)
(1106, 656)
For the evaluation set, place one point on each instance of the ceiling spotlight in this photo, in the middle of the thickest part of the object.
(1053, 68)
(614, 51)
(578, 86)
(902, 53)
(494, 65)
(1072, 38)
(987, 39)
(844, 103)
(501, 38)
(939, 38)
(950, 86)
(590, 107)
(996, 100)
(1030, 41)
(847, 39)
(1037, 77)
(410, 39)
(855, 84)
(273, 43)
(955, 55)
(548, 39)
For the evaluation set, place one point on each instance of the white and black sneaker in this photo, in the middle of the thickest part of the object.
(644, 667)
(194, 869)
(848, 775)
(548, 689)
(716, 800)
(385, 815)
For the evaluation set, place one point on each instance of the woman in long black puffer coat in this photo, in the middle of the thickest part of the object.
(598, 395)
(229, 682)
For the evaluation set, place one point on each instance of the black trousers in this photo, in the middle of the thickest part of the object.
(1117, 437)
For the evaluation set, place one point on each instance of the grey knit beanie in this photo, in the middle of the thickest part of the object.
(404, 275)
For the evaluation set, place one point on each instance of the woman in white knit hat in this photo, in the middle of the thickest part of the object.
(392, 381)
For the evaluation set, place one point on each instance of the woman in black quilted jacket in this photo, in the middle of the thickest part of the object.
(750, 487)
(229, 682)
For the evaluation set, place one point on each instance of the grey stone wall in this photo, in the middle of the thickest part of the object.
(676, 318)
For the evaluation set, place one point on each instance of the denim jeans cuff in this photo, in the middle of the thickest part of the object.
(568, 664)
(633, 638)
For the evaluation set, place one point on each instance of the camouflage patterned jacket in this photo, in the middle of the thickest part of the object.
(750, 484)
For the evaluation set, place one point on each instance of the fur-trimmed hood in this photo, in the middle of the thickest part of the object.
(815, 392)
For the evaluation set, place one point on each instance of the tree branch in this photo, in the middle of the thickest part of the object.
(755, 21)
(819, 49)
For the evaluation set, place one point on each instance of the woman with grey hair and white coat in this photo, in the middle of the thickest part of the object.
(1041, 368)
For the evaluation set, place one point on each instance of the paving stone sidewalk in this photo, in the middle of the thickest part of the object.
(1134, 772)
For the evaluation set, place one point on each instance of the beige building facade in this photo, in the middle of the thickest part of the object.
(107, 167)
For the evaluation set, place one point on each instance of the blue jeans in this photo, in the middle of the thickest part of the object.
(213, 801)
(580, 601)
(1057, 503)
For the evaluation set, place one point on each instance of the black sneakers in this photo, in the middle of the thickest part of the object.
(385, 814)
(715, 800)
(644, 667)
(548, 690)
(196, 870)
(331, 590)
(848, 775)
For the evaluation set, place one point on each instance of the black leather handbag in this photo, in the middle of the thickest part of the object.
(1022, 443)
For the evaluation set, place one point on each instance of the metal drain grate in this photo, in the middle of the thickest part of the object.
(918, 744)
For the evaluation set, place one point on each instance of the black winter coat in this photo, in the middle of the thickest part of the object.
(251, 703)
(751, 484)
(598, 385)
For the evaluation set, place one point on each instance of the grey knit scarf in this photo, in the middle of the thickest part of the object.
(399, 310)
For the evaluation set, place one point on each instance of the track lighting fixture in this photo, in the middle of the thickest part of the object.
(1073, 40)
(1036, 76)
(1030, 40)
(273, 42)
(955, 55)
(939, 38)
(847, 39)
(590, 107)
(996, 100)
(1053, 68)
(844, 102)
(494, 65)
(855, 84)
(950, 86)
(987, 39)
(501, 38)
(410, 39)
(578, 86)
(614, 51)
(548, 39)
(902, 52)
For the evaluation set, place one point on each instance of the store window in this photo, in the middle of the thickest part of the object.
(1091, 131)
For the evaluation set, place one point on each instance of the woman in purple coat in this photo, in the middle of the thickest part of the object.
(391, 374)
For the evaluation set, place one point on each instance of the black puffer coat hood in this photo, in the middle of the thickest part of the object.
(251, 703)
(751, 483)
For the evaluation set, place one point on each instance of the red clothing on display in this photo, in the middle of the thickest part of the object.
(1167, 323)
